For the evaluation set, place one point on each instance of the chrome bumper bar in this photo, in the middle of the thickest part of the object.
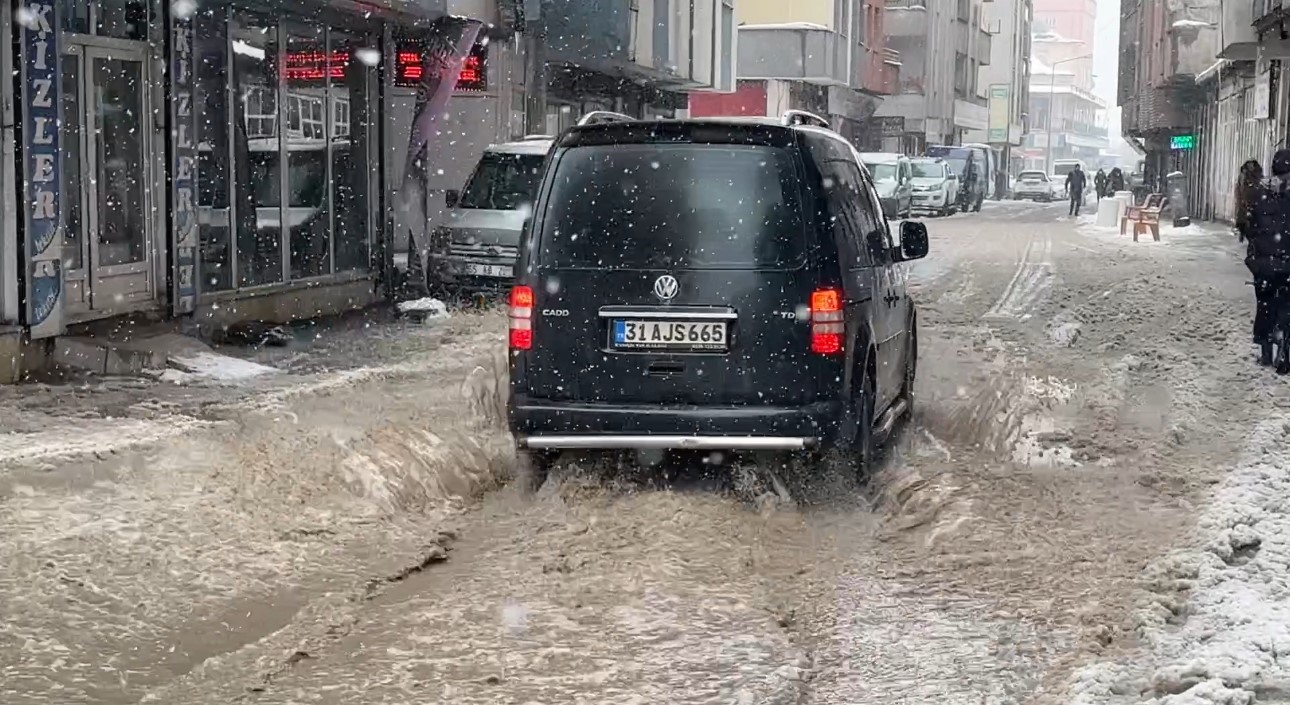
(652, 442)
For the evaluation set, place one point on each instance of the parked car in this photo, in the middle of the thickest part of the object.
(936, 187)
(478, 242)
(971, 166)
(894, 180)
(1034, 185)
(710, 285)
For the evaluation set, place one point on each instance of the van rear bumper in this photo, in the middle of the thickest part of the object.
(542, 424)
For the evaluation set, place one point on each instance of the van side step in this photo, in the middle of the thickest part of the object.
(642, 442)
(888, 421)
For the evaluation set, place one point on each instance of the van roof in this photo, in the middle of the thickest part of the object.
(535, 144)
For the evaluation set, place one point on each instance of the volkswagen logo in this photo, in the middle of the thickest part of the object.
(665, 287)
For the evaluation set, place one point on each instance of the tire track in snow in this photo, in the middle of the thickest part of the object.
(1030, 284)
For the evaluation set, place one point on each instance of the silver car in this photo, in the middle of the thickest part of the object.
(893, 177)
(476, 246)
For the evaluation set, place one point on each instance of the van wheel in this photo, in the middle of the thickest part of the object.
(865, 452)
(532, 469)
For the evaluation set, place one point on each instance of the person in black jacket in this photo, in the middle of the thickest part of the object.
(1075, 182)
(1115, 181)
(1268, 233)
(1099, 183)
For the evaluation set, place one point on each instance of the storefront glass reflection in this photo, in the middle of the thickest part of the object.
(256, 151)
(210, 49)
(308, 68)
(299, 128)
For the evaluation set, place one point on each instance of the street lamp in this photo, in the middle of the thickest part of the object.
(1052, 105)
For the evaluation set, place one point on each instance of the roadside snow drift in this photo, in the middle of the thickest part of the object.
(1216, 618)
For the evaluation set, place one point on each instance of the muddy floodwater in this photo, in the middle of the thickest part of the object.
(344, 531)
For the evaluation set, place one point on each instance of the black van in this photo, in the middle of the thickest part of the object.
(713, 285)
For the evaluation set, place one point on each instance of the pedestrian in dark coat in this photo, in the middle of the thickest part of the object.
(1075, 182)
(1268, 232)
(1248, 185)
(1116, 179)
(1099, 183)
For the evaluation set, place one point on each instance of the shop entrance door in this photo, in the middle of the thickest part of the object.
(108, 179)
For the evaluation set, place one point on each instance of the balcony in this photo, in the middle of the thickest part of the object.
(1238, 39)
(906, 18)
(798, 51)
(1265, 13)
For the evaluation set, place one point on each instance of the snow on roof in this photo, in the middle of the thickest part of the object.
(1184, 24)
(1039, 68)
(786, 25)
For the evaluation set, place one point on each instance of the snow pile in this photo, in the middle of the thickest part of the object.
(1216, 620)
(1064, 329)
(213, 366)
(427, 307)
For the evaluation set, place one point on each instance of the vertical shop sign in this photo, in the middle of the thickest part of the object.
(183, 182)
(41, 169)
(1000, 112)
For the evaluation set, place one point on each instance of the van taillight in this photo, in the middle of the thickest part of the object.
(827, 323)
(521, 317)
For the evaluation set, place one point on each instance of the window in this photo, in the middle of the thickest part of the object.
(727, 44)
(679, 206)
(502, 182)
(842, 190)
(283, 172)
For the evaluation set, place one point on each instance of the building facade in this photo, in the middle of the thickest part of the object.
(639, 58)
(1072, 27)
(828, 57)
(942, 44)
(218, 162)
(1165, 46)
(1066, 116)
(224, 161)
(1006, 80)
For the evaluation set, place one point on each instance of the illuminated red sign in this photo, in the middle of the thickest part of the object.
(310, 66)
(409, 68)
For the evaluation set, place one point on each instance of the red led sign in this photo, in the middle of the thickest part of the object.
(409, 68)
(309, 66)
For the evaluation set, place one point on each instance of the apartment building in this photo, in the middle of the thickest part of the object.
(1065, 119)
(942, 44)
(1005, 81)
(1165, 46)
(1244, 101)
(1070, 28)
(825, 56)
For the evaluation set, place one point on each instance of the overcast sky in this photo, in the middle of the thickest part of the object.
(1106, 49)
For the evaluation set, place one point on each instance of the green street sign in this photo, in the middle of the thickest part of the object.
(1182, 142)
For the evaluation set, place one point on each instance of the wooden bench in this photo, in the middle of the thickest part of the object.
(1134, 214)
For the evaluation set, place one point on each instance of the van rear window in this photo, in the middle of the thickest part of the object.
(676, 206)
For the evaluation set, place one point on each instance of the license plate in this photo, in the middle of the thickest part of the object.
(670, 335)
(497, 271)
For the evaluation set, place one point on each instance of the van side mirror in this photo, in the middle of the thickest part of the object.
(913, 240)
(451, 197)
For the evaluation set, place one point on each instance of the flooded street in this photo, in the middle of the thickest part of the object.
(352, 538)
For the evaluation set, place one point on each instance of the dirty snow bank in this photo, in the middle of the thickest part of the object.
(1215, 621)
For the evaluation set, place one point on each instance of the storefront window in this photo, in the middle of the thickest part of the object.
(74, 223)
(75, 15)
(308, 69)
(210, 49)
(283, 161)
(351, 169)
(257, 166)
(122, 19)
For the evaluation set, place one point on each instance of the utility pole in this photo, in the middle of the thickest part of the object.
(535, 74)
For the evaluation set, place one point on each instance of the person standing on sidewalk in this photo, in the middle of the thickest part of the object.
(1075, 183)
(1099, 183)
(1267, 229)
(1248, 185)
